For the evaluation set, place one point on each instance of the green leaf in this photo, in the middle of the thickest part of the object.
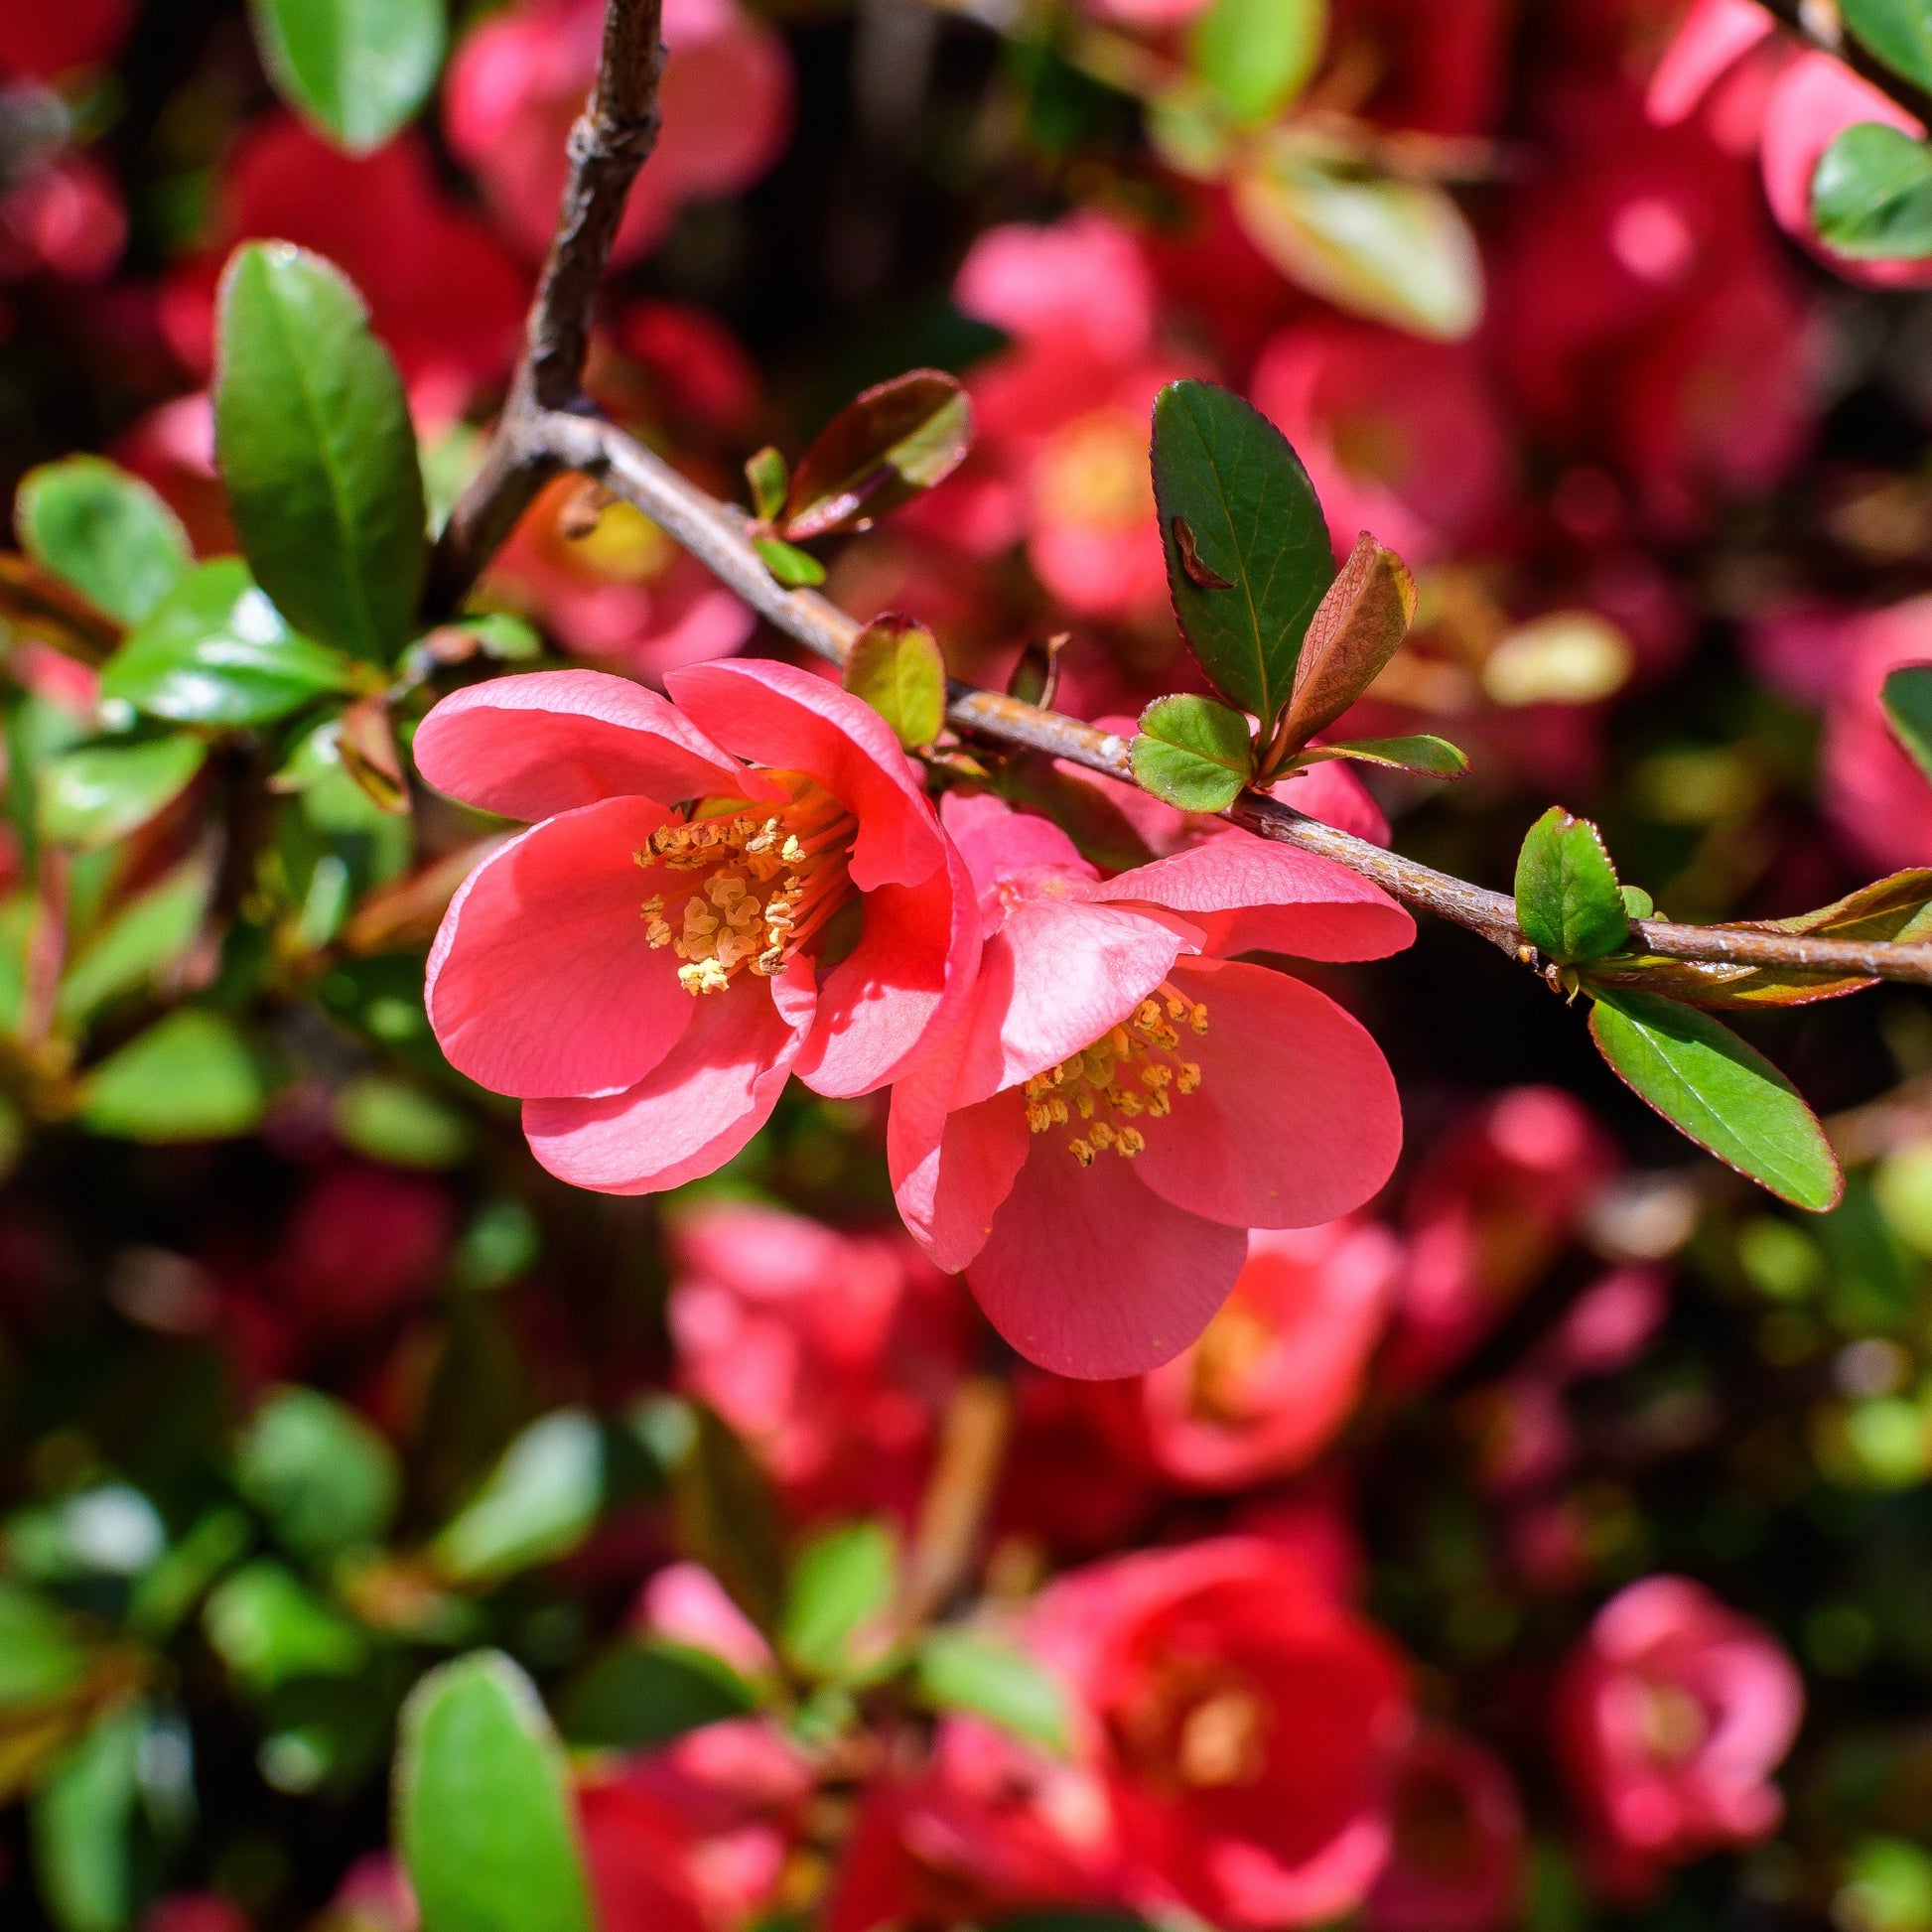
(540, 1503)
(1569, 904)
(1192, 752)
(83, 1823)
(641, 1694)
(40, 1656)
(105, 532)
(1637, 903)
(316, 447)
(484, 1820)
(1356, 628)
(1248, 552)
(1899, 31)
(1906, 695)
(896, 666)
(795, 569)
(189, 1077)
(216, 652)
(358, 69)
(270, 1629)
(1722, 1094)
(960, 1669)
(325, 1479)
(1258, 55)
(844, 1578)
(1871, 195)
(1425, 755)
(769, 477)
(403, 1123)
(1395, 250)
(884, 447)
(145, 937)
(103, 793)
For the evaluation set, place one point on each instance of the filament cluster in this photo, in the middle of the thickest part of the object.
(1133, 1070)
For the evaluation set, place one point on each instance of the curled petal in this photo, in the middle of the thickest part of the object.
(542, 981)
(550, 741)
(953, 1170)
(709, 1095)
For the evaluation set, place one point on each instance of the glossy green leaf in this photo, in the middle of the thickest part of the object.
(1720, 1093)
(1192, 752)
(1426, 756)
(1248, 552)
(323, 1478)
(40, 1656)
(1392, 249)
(315, 443)
(896, 667)
(216, 652)
(83, 1820)
(1637, 903)
(1871, 195)
(145, 936)
(1906, 695)
(795, 569)
(485, 1822)
(769, 477)
(190, 1078)
(1356, 628)
(540, 1503)
(270, 1629)
(1258, 55)
(844, 1578)
(880, 451)
(100, 793)
(641, 1694)
(1899, 31)
(962, 1669)
(106, 533)
(1569, 904)
(358, 69)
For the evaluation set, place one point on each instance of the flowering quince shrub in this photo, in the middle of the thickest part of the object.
(760, 1169)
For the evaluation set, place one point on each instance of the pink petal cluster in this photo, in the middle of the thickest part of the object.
(1456, 1859)
(1122, 1099)
(1671, 1717)
(518, 81)
(719, 892)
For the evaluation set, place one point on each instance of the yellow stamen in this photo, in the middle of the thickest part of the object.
(1129, 1074)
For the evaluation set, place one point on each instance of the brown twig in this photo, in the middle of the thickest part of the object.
(1803, 23)
(972, 1447)
(546, 428)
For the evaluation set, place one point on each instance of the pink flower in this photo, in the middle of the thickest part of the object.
(1277, 1371)
(1121, 1101)
(1062, 415)
(644, 972)
(831, 1354)
(1401, 436)
(1440, 68)
(1457, 1860)
(195, 1912)
(518, 81)
(1671, 1717)
(65, 216)
(1246, 1723)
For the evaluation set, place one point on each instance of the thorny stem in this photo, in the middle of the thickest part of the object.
(543, 432)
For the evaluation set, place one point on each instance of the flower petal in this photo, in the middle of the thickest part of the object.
(547, 741)
(1251, 895)
(951, 1169)
(797, 721)
(710, 1094)
(1000, 844)
(542, 981)
(1295, 1120)
(1089, 1275)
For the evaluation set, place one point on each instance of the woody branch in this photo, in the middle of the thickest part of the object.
(547, 426)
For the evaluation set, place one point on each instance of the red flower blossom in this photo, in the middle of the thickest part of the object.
(644, 973)
(1247, 1725)
(518, 81)
(41, 41)
(1121, 1101)
(831, 1354)
(1671, 1717)
(1457, 1860)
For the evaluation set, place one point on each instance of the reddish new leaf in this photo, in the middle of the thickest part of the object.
(879, 452)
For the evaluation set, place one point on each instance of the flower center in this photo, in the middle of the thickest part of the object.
(1196, 1725)
(761, 884)
(1095, 473)
(1672, 1721)
(1132, 1071)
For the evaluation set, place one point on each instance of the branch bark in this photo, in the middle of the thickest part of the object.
(547, 427)
(1801, 22)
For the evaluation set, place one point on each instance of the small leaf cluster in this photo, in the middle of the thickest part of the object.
(1872, 188)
